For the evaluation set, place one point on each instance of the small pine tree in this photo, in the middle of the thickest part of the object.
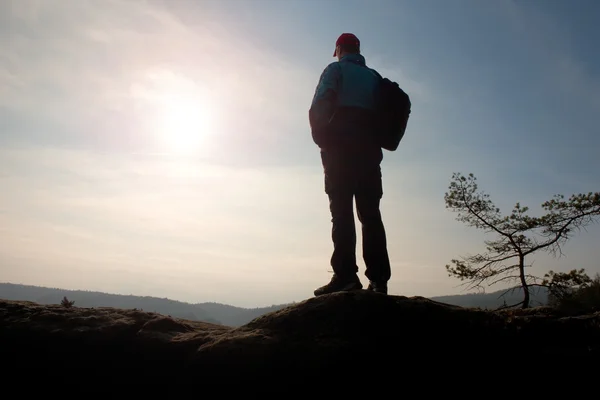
(583, 297)
(66, 302)
(518, 236)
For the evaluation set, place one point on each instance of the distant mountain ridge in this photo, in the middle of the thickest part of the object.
(208, 312)
(492, 300)
(213, 312)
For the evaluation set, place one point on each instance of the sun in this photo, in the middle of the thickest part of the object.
(185, 124)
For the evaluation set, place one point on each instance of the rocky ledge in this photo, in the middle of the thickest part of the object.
(354, 333)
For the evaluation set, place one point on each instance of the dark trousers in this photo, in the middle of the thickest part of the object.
(355, 176)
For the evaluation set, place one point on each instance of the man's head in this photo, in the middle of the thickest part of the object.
(347, 43)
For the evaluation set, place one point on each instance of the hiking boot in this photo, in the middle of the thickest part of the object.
(378, 287)
(340, 284)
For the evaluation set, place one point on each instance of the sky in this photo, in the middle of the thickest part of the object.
(162, 148)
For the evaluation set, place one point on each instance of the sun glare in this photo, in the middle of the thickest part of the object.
(185, 124)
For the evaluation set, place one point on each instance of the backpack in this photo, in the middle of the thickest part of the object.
(393, 110)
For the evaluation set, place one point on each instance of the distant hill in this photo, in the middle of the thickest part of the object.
(212, 312)
(490, 301)
(237, 316)
(207, 312)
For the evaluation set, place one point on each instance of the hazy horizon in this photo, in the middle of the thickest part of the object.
(162, 148)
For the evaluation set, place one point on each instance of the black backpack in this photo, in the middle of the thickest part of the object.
(393, 110)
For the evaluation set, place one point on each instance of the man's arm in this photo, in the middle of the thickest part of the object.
(323, 103)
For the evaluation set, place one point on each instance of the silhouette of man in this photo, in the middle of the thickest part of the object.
(341, 119)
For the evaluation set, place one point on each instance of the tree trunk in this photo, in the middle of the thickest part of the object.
(524, 284)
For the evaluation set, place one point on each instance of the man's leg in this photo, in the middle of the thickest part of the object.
(375, 252)
(339, 186)
(343, 234)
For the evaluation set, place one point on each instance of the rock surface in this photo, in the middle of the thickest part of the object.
(319, 338)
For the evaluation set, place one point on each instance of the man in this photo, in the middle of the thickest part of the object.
(342, 118)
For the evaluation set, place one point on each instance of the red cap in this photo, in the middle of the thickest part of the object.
(346, 38)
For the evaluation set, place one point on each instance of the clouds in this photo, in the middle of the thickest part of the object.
(93, 73)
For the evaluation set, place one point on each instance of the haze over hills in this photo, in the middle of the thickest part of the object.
(207, 312)
(216, 312)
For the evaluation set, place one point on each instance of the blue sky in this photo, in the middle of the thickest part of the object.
(162, 147)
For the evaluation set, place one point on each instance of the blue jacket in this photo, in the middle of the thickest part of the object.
(345, 84)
